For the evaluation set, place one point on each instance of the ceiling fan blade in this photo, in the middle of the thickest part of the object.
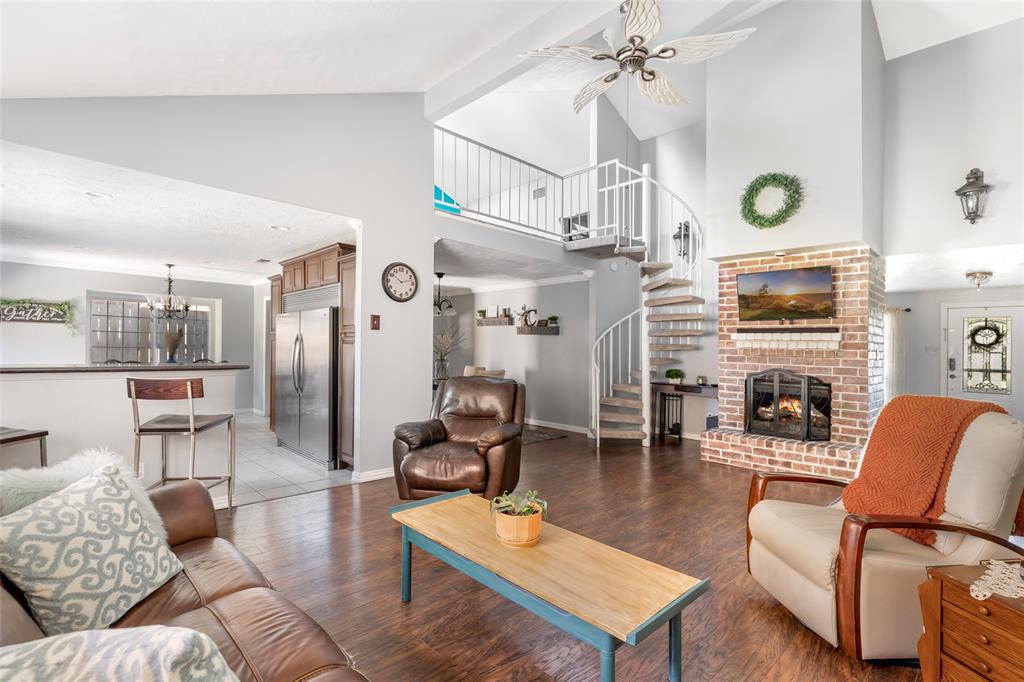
(643, 20)
(594, 88)
(655, 86)
(580, 53)
(699, 48)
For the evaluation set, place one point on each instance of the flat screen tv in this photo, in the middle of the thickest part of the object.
(804, 293)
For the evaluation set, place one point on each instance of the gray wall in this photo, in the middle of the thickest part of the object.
(555, 369)
(52, 344)
(924, 325)
(950, 108)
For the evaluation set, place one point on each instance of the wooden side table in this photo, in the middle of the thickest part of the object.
(964, 638)
(9, 436)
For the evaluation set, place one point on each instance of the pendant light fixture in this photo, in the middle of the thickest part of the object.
(171, 306)
(443, 305)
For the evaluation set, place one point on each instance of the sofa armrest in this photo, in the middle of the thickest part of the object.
(421, 434)
(851, 551)
(186, 509)
(497, 436)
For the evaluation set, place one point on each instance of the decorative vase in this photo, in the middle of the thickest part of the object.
(517, 531)
(441, 370)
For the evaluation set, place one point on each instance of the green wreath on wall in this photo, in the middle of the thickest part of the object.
(789, 184)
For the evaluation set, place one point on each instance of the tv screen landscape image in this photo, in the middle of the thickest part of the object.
(805, 293)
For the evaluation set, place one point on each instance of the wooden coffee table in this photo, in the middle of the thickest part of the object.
(596, 593)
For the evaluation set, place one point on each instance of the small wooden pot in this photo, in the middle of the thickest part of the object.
(517, 531)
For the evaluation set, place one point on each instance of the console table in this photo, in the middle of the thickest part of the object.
(659, 389)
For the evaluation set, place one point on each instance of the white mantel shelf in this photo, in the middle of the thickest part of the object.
(787, 340)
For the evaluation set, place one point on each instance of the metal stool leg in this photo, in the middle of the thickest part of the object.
(231, 460)
(163, 458)
(192, 455)
(138, 454)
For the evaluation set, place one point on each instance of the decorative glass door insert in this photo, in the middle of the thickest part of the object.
(986, 355)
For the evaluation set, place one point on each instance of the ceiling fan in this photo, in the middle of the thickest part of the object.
(642, 22)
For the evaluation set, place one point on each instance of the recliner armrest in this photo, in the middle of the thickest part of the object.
(421, 434)
(851, 552)
(497, 436)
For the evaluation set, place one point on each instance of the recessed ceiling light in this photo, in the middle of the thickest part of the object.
(208, 262)
(97, 195)
(262, 260)
(281, 228)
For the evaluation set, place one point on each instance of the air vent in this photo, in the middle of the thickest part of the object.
(540, 193)
(262, 261)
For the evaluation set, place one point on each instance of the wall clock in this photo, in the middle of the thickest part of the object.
(399, 281)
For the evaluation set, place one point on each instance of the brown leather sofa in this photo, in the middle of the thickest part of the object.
(472, 440)
(262, 635)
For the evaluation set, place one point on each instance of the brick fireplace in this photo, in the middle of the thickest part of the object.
(844, 351)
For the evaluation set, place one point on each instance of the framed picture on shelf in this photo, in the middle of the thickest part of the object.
(492, 310)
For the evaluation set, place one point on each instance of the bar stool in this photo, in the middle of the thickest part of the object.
(190, 425)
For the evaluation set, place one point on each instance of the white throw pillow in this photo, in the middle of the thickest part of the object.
(155, 653)
(84, 555)
(21, 487)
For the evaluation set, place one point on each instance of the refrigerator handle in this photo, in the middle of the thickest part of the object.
(295, 358)
(301, 376)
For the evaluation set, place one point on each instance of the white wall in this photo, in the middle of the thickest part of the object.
(554, 369)
(924, 325)
(950, 108)
(259, 350)
(358, 155)
(537, 126)
(790, 100)
(52, 344)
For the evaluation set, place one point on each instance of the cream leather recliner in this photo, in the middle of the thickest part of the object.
(858, 589)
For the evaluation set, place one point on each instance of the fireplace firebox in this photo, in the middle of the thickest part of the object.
(788, 405)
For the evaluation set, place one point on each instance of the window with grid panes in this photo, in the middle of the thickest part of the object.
(122, 328)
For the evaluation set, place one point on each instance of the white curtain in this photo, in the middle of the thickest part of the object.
(895, 352)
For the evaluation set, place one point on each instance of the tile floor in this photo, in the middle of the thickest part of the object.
(267, 472)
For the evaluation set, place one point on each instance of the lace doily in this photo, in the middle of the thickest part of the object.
(1000, 578)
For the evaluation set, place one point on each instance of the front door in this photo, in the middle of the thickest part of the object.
(985, 355)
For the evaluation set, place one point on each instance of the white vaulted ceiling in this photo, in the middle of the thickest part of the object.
(141, 221)
(171, 47)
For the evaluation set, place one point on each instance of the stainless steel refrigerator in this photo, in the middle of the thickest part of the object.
(306, 384)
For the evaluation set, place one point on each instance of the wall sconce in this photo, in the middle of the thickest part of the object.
(682, 239)
(972, 195)
(978, 278)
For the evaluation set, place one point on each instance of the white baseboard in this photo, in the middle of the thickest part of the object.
(555, 425)
(372, 475)
(260, 413)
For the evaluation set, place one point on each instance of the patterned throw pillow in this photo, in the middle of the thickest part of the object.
(84, 556)
(155, 652)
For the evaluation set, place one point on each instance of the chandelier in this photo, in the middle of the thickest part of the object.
(171, 306)
(442, 304)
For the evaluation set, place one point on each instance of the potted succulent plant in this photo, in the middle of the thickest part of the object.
(481, 314)
(675, 376)
(552, 320)
(517, 519)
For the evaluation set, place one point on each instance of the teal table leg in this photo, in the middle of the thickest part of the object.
(406, 566)
(675, 648)
(608, 666)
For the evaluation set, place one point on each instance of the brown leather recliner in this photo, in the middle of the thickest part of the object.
(472, 440)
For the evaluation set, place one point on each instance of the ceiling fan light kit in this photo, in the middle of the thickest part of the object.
(641, 23)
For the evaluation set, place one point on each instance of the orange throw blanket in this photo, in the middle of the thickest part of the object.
(909, 459)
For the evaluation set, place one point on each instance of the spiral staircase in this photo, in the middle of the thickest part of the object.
(605, 211)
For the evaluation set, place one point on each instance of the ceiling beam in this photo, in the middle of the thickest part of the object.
(568, 23)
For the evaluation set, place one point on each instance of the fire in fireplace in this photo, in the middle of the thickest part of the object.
(788, 405)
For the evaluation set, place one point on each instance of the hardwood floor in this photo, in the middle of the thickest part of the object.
(336, 553)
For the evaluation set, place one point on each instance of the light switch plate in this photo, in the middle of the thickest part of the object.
(375, 322)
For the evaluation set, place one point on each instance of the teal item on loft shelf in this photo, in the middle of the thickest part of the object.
(444, 202)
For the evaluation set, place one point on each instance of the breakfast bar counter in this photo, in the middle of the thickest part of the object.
(87, 406)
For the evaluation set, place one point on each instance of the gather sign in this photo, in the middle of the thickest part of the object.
(35, 311)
